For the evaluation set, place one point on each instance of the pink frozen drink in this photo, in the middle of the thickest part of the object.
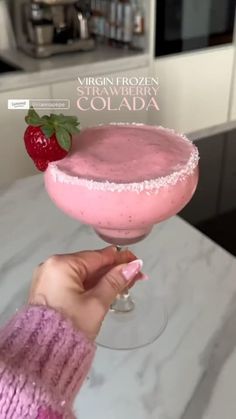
(122, 179)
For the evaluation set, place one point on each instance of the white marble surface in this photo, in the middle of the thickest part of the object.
(189, 373)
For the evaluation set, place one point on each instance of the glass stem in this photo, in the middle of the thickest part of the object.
(124, 302)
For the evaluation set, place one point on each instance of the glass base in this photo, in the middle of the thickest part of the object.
(122, 239)
(135, 328)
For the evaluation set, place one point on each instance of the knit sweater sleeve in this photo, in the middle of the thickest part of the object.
(43, 363)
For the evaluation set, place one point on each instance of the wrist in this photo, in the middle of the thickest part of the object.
(44, 348)
(89, 324)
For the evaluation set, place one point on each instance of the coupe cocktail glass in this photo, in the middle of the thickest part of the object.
(122, 180)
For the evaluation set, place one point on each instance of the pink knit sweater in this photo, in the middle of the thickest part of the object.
(43, 363)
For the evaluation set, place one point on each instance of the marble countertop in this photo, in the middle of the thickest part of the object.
(189, 373)
(103, 59)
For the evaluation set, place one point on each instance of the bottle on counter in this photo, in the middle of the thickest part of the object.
(94, 18)
(112, 22)
(103, 17)
(82, 29)
(139, 31)
(106, 10)
(119, 22)
(127, 23)
(123, 23)
(100, 21)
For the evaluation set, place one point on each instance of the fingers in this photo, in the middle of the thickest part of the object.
(120, 258)
(124, 256)
(115, 281)
(90, 263)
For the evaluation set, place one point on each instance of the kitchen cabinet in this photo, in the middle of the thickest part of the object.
(216, 192)
(68, 90)
(204, 204)
(194, 89)
(14, 162)
(228, 192)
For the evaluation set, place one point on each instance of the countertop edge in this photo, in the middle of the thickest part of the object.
(24, 80)
(211, 131)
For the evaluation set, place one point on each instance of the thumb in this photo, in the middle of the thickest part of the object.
(116, 280)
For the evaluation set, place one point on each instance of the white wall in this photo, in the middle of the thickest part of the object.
(232, 110)
(194, 88)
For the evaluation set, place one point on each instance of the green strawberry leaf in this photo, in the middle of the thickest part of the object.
(72, 120)
(45, 119)
(33, 118)
(54, 119)
(63, 138)
(33, 113)
(63, 118)
(72, 129)
(48, 130)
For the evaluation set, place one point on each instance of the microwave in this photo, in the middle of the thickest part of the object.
(187, 25)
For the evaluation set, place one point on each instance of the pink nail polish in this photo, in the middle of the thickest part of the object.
(132, 269)
(144, 277)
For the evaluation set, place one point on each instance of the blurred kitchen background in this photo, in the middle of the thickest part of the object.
(190, 45)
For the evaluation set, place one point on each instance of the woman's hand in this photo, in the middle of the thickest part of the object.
(83, 285)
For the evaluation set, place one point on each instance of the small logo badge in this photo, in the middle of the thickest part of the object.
(18, 104)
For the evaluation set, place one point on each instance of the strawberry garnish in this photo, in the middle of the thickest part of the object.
(49, 138)
(41, 164)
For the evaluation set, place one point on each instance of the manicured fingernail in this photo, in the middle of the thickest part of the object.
(132, 269)
(144, 277)
(114, 248)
